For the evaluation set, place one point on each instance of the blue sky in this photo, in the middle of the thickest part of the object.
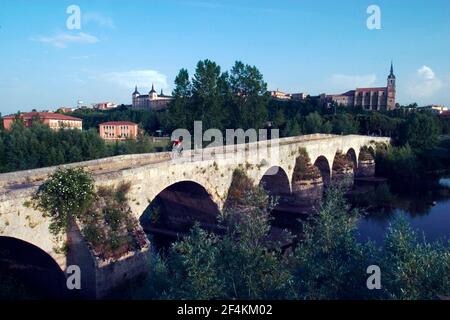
(299, 45)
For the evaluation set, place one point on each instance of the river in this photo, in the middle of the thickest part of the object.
(427, 209)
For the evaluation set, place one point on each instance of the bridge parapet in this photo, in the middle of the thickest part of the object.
(27, 178)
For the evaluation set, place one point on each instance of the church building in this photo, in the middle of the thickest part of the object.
(381, 98)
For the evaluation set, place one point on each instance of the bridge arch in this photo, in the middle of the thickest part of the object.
(178, 207)
(353, 157)
(276, 181)
(324, 167)
(31, 269)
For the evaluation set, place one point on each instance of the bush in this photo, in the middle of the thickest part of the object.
(65, 196)
(303, 169)
(108, 224)
(329, 261)
(397, 162)
(420, 131)
(414, 269)
(240, 185)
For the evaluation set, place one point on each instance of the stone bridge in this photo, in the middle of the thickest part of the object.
(150, 174)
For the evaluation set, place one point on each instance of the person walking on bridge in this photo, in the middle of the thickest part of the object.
(177, 147)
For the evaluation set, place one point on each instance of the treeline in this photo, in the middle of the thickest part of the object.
(38, 146)
(421, 147)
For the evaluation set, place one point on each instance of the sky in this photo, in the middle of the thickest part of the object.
(313, 46)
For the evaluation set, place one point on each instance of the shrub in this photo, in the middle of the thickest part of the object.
(414, 269)
(108, 224)
(240, 185)
(303, 169)
(65, 196)
(397, 162)
(329, 261)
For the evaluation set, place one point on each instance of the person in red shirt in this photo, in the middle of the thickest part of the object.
(178, 145)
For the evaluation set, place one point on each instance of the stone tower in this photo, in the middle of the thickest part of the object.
(152, 94)
(390, 103)
(135, 97)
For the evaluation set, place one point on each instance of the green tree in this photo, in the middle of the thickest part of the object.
(179, 113)
(412, 268)
(344, 123)
(292, 128)
(279, 120)
(330, 262)
(397, 162)
(420, 131)
(249, 96)
(314, 123)
(207, 94)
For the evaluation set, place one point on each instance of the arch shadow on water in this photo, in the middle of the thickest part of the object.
(27, 272)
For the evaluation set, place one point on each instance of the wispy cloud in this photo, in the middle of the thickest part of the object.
(64, 39)
(141, 78)
(425, 83)
(350, 82)
(99, 19)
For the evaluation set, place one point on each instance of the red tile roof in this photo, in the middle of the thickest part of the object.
(371, 89)
(43, 115)
(118, 123)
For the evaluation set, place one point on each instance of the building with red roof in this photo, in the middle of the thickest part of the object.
(118, 130)
(55, 121)
(377, 98)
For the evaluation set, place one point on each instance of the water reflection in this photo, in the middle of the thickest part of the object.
(427, 208)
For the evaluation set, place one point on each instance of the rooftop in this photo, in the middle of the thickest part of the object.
(371, 89)
(118, 123)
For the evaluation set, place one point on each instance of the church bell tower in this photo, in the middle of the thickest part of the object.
(390, 103)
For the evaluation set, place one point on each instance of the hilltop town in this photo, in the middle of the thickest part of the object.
(381, 99)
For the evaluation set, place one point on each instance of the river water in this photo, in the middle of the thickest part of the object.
(427, 210)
